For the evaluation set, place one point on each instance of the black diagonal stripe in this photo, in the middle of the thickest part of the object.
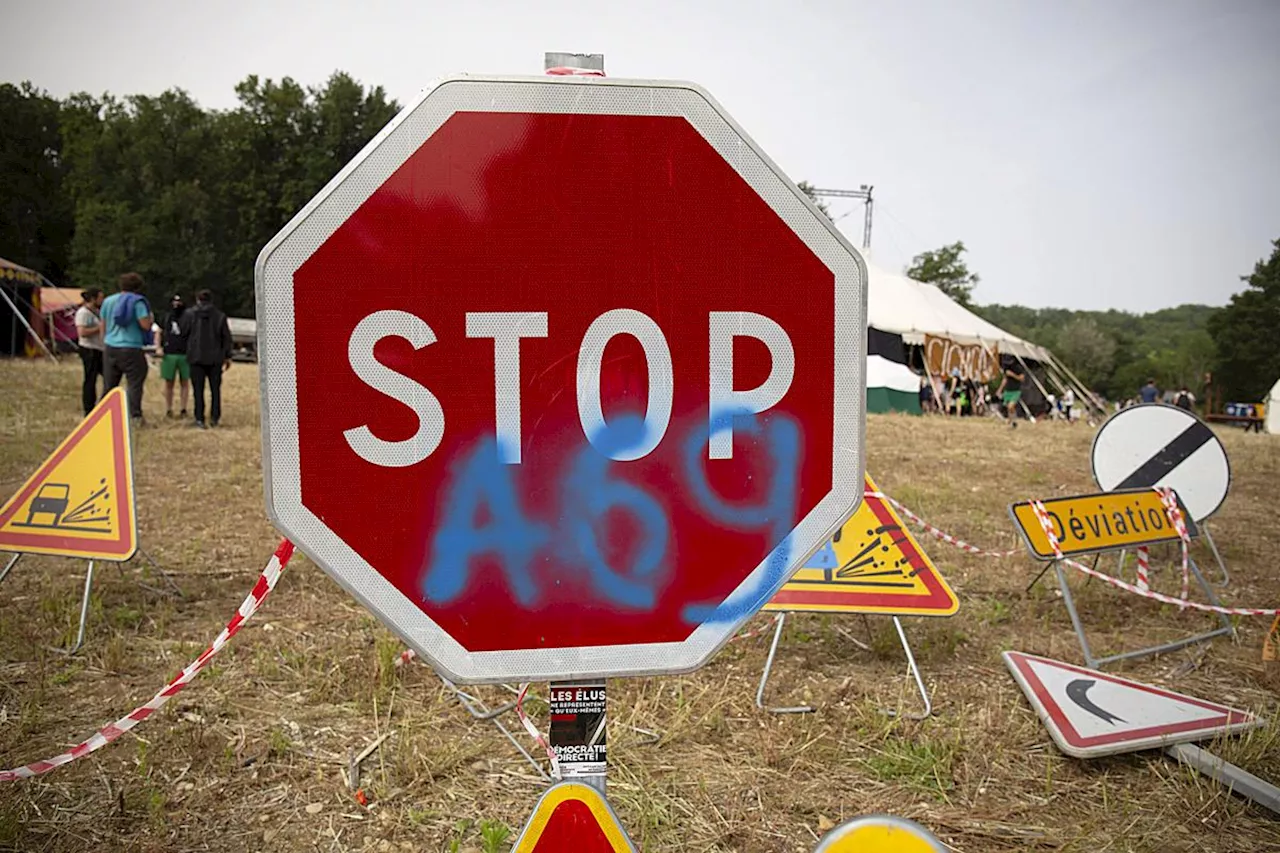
(1171, 456)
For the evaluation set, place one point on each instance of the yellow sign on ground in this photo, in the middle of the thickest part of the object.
(572, 816)
(880, 834)
(872, 565)
(1087, 524)
(79, 503)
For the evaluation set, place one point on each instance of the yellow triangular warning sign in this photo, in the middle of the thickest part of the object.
(872, 565)
(79, 503)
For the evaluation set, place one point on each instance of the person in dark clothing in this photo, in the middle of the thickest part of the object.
(89, 336)
(208, 354)
(1149, 393)
(1185, 400)
(174, 366)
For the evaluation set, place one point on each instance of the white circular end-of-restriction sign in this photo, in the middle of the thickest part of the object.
(1159, 445)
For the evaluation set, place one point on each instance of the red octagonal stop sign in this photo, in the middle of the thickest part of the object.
(561, 377)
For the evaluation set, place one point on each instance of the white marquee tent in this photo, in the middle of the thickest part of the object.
(910, 310)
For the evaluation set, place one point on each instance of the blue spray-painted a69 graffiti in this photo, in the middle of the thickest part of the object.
(481, 480)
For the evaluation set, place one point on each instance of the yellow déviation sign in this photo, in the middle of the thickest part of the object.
(79, 503)
(1087, 524)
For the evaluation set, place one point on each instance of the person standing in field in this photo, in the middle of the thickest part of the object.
(1149, 393)
(1185, 399)
(1012, 391)
(209, 354)
(127, 319)
(1068, 400)
(89, 336)
(174, 366)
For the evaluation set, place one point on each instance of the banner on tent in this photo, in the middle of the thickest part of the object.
(974, 361)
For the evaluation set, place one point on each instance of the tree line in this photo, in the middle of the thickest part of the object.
(94, 185)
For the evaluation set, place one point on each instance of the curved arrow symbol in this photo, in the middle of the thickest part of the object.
(1077, 691)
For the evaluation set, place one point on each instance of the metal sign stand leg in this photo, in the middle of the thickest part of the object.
(1097, 663)
(915, 673)
(167, 577)
(479, 710)
(13, 561)
(1213, 546)
(1089, 660)
(84, 614)
(1236, 779)
(779, 621)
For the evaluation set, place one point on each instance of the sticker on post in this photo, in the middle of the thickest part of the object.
(578, 728)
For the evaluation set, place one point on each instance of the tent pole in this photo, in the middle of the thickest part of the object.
(1066, 383)
(1062, 383)
(1036, 380)
(1097, 402)
(5, 295)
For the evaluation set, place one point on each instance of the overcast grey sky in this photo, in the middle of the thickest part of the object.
(1094, 154)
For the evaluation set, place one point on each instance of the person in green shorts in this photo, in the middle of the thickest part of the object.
(1012, 385)
(174, 366)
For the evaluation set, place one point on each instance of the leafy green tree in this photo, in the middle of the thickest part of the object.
(36, 220)
(807, 188)
(946, 268)
(1248, 358)
(188, 197)
(1088, 350)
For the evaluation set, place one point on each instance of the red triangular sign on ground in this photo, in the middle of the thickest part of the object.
(574, 817)
(1090, 713)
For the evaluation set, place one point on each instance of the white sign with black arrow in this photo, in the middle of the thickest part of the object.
(1091, 714)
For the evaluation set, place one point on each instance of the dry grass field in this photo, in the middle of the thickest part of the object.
(251, 756)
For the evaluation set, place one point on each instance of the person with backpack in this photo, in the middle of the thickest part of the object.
(174, 366)
(209, 355)
(1184, 399)
(127, 319)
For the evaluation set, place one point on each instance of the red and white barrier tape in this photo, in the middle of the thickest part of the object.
(266, 582)
(571, 71)
(1042, 516)
(1174, 512)
(534, 733)
(942, 534)
(1167, 599)
(1144, 567)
